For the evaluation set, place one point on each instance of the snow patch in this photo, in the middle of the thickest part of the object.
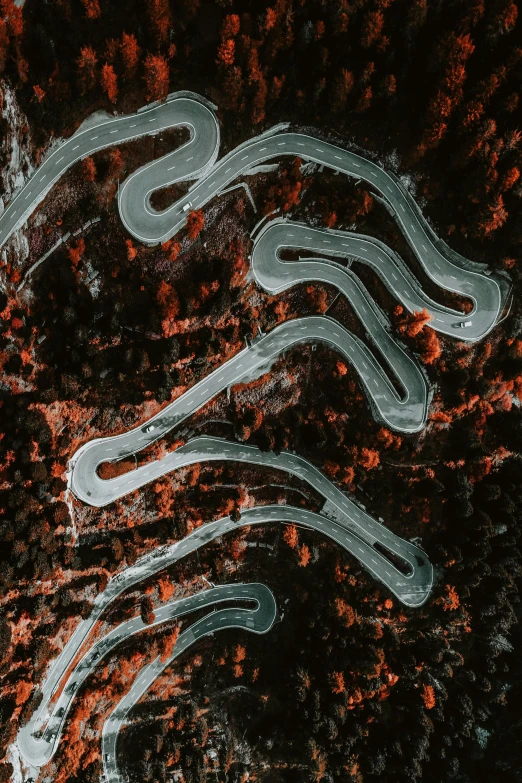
(19, 167)
(68, 499)
(263, 168)
(19, 774)
(94, 119)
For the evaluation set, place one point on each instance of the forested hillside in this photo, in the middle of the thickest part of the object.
(350, 685)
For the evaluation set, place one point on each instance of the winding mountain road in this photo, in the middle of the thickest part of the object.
(412, 589)
(37, 751)
(341, 519)
(196, 161)
(275, 275)
(258, 620)
(187, 111)
(91, 489)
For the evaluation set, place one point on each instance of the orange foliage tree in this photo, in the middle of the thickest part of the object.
(343, 85)
(109, 82)
(291, 536)
(230, 27)
(92, 8)
(428, 696)
(76, 252)
(12, 17)
(369, 458)
(115, 164)
(345, 612)
(415, 325)
(159, 15)
(337, 679)
(195, 222)
(372, 28)
(130, 52)
(131, 250)
(304, 556)
(168, 299)
(226, 52)
(172, 249)
(89, 169)
(156, 77)
(87, 68)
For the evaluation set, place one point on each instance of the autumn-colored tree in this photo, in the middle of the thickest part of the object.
(453, 52)
(230, 27)
(39, 94)
(233, 85)
(87, 68)
(12, 17)
(450, 602)
(165, 589)
(365, 99)
(428, 696)
(510, 178)
(430, 347)
(156, 77)
(89, 169)
(388, 439)
(337, 680)
(111, 51)
(195, 222)
(76, 252)
(291, 536)
(172, 249)
(345, 612)
(372, 28)
(493, 217)
(159, 15)
(4, 50)
(505, 20)
(109, 82)
(92, 8)
(22, 66)
(389, 85)
(130, 52)
(413, 323)
(304, 556)
(226, 52)
(131, 250)
(369, 458)
(259, 101)
(342, 87)
(168, 299)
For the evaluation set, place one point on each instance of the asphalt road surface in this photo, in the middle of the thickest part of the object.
(196, 162)
(151, 227)
(341, 519)
(275, 275)
(199, 153)
(258, 620)
(87, 486)
(411, 589)
(406, 414)
(38, 751)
